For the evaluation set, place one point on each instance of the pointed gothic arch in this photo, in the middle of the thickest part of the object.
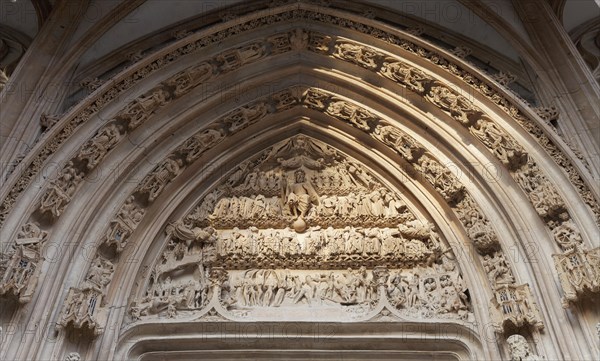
(426, 97)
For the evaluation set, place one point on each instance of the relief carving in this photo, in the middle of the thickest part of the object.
(458, 106)
(441, 178)
(519, 349)
(20, 266)
(233, 59)
(123, 225)
(163, 174)
(138, 111)
(96, 148)
(412, 78)
(514, 307)
(183, 82)
(61, 190)
(497, 269)
(357, 54)
(579, 272)
(197, 144)
(83, 310)
(541, 192)
(504, 147)
(478, 227)
(399, 141)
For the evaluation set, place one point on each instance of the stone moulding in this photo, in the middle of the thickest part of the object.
(193, 43)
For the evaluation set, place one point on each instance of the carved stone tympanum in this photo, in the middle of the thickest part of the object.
(303, 229)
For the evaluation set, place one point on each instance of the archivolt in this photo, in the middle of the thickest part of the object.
(424, 82)
(401, 42)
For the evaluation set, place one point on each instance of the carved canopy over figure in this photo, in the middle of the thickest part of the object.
(299, 195)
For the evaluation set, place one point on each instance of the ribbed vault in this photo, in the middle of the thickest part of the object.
(463, 157)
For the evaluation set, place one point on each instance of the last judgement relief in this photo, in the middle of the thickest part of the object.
(299, 179)
(303, 227)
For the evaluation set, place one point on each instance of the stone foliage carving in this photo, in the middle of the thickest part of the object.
(20, 266)
(504, 78)
(579, 273)
(519, 349)
(514, 307)
(83, 310)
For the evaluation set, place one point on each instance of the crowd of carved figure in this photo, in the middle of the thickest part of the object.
(326, 243)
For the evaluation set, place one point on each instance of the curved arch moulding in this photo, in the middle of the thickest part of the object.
(341, 171)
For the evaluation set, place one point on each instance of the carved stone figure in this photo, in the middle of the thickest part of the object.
(138, 111)
(519, 349)
(96, 148)
(123, 225)
(499, 142)
(100, 273)
(478, 227)
(194, 146)
(299, 39)
(412, 78)
(357, 54)
(73, 356)
(245, 116)
(233, 59)
(441, 178)
(160, 177)
(497, 269)
(299, 196)
(188, 79)
(358, 117)
(401, 142)
(579, 272)
(20, 268)
(61, 190)
(457, 105)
